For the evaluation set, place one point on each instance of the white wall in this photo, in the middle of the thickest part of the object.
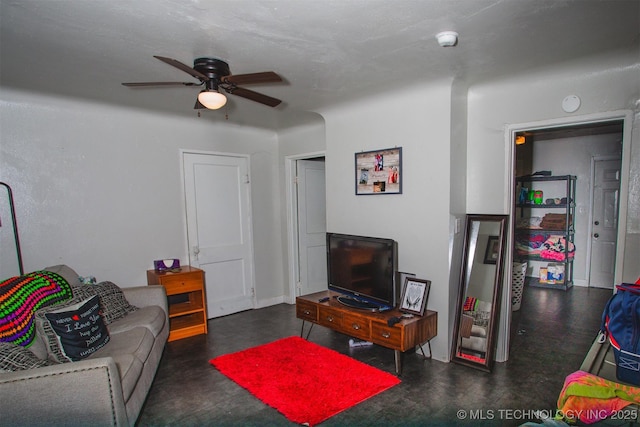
(605, 84)
(99, 187)
(294, 143)
(418, 120)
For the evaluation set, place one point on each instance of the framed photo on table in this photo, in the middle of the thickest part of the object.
(379, 171)
(415, 295)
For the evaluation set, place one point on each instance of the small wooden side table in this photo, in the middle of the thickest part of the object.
(186, 300)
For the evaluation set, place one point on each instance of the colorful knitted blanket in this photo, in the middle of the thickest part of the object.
(590, 398)
(21, 297)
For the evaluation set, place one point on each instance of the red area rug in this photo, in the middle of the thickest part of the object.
(305, 382)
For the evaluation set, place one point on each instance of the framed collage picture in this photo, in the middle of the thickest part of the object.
(379, 171)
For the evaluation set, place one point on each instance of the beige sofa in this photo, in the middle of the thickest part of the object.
(107, 388)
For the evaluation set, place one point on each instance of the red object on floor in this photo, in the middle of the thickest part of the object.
(305, 382)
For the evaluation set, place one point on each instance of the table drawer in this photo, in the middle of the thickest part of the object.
(356, 326)
(182, 283)
(387, 336)
(330, 317)
(306, 311)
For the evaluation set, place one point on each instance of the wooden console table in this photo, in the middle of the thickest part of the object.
(367, 325)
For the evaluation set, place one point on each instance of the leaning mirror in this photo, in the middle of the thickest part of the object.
(478, 305)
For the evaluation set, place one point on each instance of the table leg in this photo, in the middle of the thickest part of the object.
(398, 357)
(424, 356)
(308, 332)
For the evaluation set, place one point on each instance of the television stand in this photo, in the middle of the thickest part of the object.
(356, 303)
(368, 326)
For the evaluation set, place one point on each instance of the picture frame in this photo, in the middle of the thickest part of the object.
(378, 172)
(493, 248)
(415, 294)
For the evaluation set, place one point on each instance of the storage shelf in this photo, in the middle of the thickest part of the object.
(545, 178)
(183, 308)
(186, 321)
(532, 281)
(538, 231)
(568, 183)
(560, 206)
(523, 258)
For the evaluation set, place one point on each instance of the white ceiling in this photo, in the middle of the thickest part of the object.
(328, 51)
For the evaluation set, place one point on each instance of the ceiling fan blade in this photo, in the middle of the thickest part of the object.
(179, 65)
(141, 84)
(253, 78)
(255, 96)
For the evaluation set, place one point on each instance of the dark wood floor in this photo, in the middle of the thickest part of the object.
(551, 335)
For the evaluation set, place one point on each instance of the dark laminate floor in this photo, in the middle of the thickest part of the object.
(552, 333)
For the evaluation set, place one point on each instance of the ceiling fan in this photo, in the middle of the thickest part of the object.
(214, 74)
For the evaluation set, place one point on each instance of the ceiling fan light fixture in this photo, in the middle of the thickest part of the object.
(212, 99)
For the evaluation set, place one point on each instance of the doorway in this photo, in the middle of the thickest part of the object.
(580, 151)
(306, 224)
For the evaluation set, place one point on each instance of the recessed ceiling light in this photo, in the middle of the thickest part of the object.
(447, 38)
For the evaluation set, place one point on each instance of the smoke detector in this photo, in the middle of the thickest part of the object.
(447, 38)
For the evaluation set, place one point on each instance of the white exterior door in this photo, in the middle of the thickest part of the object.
(312, 226)
(217, 193)
(606, 188)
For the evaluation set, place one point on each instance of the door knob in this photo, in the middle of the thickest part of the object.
(597, 223)
(596, 235)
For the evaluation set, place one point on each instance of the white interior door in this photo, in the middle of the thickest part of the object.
(312, 226)
(217, 192)
(604, 226)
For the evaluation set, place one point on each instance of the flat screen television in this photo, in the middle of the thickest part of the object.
(362, 269)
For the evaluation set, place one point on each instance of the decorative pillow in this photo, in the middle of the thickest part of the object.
(74, 331)
(17, 358)
(21, 297)
(114, 304)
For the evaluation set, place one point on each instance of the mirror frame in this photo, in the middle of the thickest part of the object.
(487, 366)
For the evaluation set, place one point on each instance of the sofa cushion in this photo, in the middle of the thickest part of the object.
(136, 341)
(79, 329)
(115, 305)
(16, 358)
(21, 297)
(130, 350)
(151, 317)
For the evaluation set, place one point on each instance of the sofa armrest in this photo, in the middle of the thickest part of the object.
(87, 392)
(143, 296)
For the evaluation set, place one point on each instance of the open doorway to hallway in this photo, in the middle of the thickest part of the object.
(591, 152)
(306, 204)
